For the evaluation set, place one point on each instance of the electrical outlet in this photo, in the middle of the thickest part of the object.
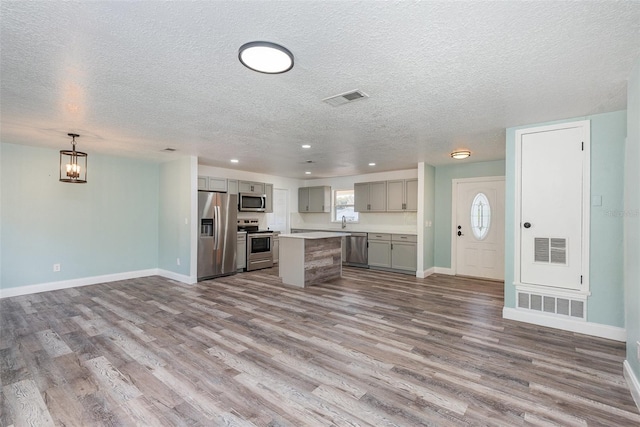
(178, 261)
(56, 267)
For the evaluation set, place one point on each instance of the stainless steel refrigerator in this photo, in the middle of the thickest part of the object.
(218, 237)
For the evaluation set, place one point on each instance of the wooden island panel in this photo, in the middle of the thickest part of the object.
(310, 258)
(322, 260)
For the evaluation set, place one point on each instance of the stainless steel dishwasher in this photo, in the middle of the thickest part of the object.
(356, 250)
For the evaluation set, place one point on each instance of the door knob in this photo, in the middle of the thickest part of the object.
(527, 225)
(460, 233)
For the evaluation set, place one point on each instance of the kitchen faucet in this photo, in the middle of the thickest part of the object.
(344, 222)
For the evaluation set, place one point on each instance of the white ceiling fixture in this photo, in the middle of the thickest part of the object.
(372, 164)
(266, 57)
(307, 173)
(234, 160)
(460, 154)
(306, 146)
(345, 98)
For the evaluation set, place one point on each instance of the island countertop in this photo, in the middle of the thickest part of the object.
(314, 235)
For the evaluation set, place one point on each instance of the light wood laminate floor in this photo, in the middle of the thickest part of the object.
(372, 348)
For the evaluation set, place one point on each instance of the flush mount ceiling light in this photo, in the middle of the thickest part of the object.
(234, 160)
(460, 154)
(265, 57)
(306, 146)
(73, 164)
(372, 164)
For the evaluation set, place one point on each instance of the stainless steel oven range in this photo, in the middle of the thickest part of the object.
(259, 244)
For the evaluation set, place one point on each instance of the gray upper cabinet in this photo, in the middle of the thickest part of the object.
(320, 199)
(314, 199)
(251, 187)
(370, 196)
(303, 199)
(211, 183)
(232, 186)
(402, 195)
(268, 191)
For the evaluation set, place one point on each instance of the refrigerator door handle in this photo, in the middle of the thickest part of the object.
(217, 242)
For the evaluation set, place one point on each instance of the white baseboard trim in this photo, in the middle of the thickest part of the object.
(189, 280)
(588, 328)
(426, 273)
(444, 270)
(83, 281)
(634, 383)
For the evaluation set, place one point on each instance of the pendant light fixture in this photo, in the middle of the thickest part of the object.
(73, 164)
(266, 57)
(460, 154)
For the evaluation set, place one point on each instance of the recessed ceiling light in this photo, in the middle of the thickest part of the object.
(460, 154)
(234, 160)
(307, 173)
(372, 164)
(266, 57)
(306, 146)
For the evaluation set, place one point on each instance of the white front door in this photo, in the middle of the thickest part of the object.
(551, 211)
(479, 227)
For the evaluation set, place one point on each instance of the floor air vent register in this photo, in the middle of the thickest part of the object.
(565, 307)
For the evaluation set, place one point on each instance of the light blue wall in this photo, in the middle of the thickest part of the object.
(107, 226)
(443, 179)
(632, 220)
(429, 215)
(607, 165)
(175, 216)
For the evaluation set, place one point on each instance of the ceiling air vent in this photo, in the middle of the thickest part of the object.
(345, 98)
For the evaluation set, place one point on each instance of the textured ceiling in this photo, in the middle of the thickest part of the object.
(134, 78)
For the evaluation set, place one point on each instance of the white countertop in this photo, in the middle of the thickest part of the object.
(314, 235)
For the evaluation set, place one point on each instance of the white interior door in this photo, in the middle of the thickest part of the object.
(552, 207)
(479, 228)
(279, 219)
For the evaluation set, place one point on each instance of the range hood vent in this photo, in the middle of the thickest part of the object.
(345, 98)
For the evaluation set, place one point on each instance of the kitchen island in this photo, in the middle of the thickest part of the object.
(310, 258)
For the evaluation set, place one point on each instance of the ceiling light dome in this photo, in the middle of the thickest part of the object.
(265, 57)
(460, 154)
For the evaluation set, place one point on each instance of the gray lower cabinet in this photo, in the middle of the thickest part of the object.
(241, 254)
(394, 251)
(276, 248)
(379, 251)
(404, 252)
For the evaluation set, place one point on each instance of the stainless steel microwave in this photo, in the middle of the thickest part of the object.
(252, 202)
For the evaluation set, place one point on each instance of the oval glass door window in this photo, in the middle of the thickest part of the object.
(480, 216)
